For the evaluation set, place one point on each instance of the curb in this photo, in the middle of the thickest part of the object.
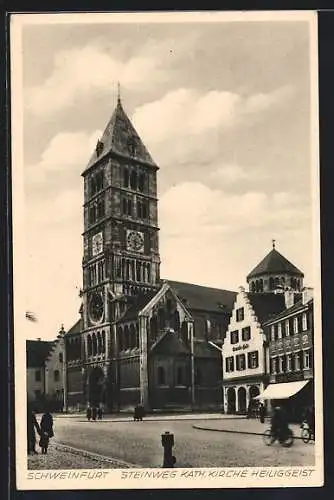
(95, 456)
(235, 432)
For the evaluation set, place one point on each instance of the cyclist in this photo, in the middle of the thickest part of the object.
(279, 424)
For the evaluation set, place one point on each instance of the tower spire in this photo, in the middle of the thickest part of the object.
(274, 243)
(118, 93)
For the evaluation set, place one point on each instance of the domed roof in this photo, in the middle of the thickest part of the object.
(274, 263)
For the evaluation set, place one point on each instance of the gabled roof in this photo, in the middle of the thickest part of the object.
(75, 329)
(204, 298)
(169, 343)
(299, 306)
(38, 352)
(136, 303)
(266, 305)
(274, 263)
(118, 134)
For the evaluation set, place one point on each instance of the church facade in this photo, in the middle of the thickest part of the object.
(140, 339)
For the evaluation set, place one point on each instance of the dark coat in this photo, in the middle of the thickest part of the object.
(32, 425)
(47, 424)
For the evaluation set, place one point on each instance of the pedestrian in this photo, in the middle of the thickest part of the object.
(94, 413)
(32, 425)
(47, 424)
(249, 410)
(44, 442)
(99, 413)
(262, 412)
(89, 413)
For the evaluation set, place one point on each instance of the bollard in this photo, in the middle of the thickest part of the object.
(167, 441)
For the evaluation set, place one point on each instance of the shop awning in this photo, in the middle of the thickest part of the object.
(282, 391)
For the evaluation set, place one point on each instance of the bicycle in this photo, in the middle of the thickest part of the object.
(307, 434)
(287, 440)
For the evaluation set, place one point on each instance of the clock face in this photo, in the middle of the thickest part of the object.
(95, 307)
(97, 243)
(135, 241)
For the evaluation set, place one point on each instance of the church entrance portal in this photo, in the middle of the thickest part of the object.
(96, 392)
(230, 400)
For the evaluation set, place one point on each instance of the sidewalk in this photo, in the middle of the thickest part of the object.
(61, 456)
(156, 418)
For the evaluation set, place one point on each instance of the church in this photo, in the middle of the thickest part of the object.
(139, 339)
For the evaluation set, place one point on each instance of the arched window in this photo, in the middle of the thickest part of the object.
(124, 206)
(148, 272)
(129, 212)
(253, 286)
(126, 337)
(139, 209)
(144, 210)
(127, 276)
(261, 285)
(277, 281)
(176, 320)
(137, 336)
(126, 177)
(138, 271)
(99, 343)
(132, 339)
(133, 271)
(161, 375)
(271, 283)
(141, 182)
(103, 342)
(153, 328)
(56, 375)
(94, 344)
(120, 339)
(161, 318)
(184, 331)
(89, 346)
(133, 179)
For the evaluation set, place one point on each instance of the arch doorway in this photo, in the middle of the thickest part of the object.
(242, 400)
(230, 400)
(96, 393)
(253, 391)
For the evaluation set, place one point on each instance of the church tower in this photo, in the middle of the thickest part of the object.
(120, 238)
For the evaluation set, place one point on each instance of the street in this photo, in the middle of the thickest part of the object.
(139, 443)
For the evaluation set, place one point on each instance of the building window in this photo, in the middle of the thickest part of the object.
(307, 360)
(180, 375)
(273, 338)
(289, 362)
(235, 337)
(241, 362)
(38, 376)
(240, 314)
(295, 325)
(126, 177)
(56, 375)
(274, 365)
(229, 364)
(161, 375)
(61, 357)
(281, 364)
(198, 376)
(304, 321)
(253, 359)
(279, 330)
(287, 328)
(246, 333)
(297, 362)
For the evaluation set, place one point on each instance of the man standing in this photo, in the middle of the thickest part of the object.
(32, 424)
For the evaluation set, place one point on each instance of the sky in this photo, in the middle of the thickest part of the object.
(224, 110)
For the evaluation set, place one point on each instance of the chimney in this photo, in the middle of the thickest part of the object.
(39, 339)
(289, 298)
(307, 295)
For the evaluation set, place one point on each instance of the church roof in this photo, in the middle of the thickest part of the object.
(38, 352)
(274, 263)
(75, 329)
(204, 298)
(169, 343)
(266, 305)
(117, 137)
(136, 303)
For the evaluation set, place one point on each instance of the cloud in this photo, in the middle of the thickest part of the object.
(66, 153)
(192, 209)
(186, 124)
(229, 174)
(81, 72)
(216, 237)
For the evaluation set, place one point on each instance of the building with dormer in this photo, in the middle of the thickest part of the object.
(139, 340)
(244, 354)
